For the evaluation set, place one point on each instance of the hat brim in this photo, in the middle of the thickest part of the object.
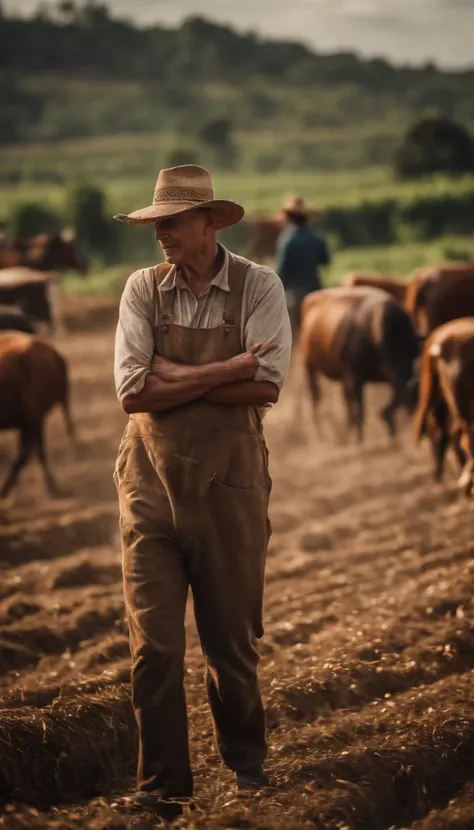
(227, 213)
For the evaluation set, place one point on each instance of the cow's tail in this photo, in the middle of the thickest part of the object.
(428, 389)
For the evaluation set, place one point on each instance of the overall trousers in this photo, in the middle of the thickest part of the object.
(194, 487)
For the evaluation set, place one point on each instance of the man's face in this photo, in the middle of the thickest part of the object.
(185, 236)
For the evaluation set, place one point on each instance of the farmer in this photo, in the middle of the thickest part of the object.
(202, 349)
(300, 254)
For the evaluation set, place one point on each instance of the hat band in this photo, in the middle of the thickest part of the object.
(182, 194)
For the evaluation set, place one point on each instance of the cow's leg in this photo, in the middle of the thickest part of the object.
(437, 428)
(25, 451)
(466, 443)
(387, 414)
(440, 442)
(359, 413)
(54, 300)
(458, 446)
(51, 485)
(315, 393)
(354, 397)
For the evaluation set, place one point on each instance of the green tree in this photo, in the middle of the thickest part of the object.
(95, 14)
(216, 135)
(96, 231)
(31, 219)
(67, 11)
(435, 145)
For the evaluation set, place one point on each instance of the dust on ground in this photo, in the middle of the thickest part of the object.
(367, 661)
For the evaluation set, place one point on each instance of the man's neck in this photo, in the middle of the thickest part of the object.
(200, 273)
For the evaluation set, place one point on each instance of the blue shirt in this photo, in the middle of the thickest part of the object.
(300, 253)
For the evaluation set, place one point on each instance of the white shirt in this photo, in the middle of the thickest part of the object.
(264, 319)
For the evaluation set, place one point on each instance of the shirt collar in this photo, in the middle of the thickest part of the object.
(175, 279)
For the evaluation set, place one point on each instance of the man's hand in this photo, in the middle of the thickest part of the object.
(244, 366)
(167, 370)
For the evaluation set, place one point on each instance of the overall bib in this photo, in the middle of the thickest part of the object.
(193, 488)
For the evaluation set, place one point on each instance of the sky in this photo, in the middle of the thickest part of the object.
(405, 31)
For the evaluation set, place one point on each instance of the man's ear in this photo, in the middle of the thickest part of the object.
(212, 223)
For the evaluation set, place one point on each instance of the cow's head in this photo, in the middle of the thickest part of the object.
(63, 246)
(57, 251)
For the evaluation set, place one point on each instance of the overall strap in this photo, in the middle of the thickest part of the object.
(162, 301)
(233, 303)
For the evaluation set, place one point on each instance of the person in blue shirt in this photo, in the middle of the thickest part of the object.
(300, 253)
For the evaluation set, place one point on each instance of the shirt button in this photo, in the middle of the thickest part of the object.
(165, 329)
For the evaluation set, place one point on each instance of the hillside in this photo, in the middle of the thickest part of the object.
(175, 80)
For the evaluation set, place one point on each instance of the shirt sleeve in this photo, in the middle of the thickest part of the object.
(268, 322)
(134, 343)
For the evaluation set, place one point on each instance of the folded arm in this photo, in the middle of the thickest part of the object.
(172, 384)
(245, 393)
(150, 383)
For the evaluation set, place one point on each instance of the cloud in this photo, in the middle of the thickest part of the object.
(457, 4)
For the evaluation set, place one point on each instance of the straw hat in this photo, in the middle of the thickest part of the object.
(296, 204)
(180, 189)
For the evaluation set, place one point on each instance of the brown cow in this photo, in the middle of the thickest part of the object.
(33, 379)
(47, 252)
(358, 336)
(13, 319)
(395, 287)
(446, 407)
(30, 290)
(262, 237)
(437, 294)
(29, 274)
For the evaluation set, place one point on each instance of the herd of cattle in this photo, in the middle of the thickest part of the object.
(416, 336)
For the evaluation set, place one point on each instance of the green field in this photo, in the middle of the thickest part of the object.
(126, 168)
(400, 260)
(102, 162)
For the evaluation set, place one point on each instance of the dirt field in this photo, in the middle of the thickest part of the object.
(367, 662)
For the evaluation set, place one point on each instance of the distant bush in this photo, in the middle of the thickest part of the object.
(217, 136)
(435, 145)
(391, 220)
(364, 224)
(454, 254)
(96, 231)
(32, 219)
(430, 217)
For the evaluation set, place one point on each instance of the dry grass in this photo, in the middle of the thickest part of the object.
(368, 658)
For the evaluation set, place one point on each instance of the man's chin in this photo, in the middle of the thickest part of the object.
(173, 257)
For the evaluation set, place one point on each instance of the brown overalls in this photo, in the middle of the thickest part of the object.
(193, 486)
